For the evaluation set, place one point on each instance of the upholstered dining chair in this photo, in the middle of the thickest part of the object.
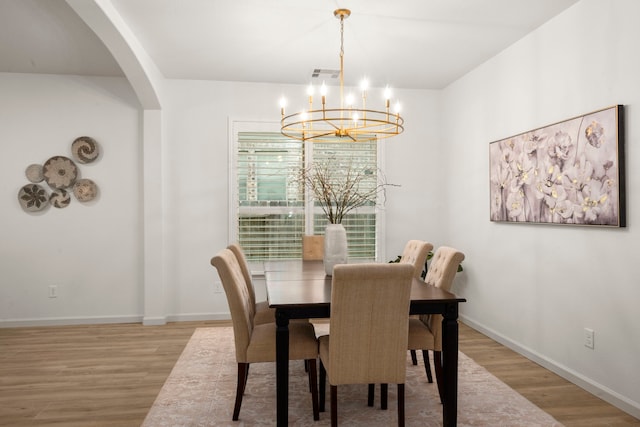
(425, 332)
(369, 329)
(263, 314)
(415, 253)
(257, 342)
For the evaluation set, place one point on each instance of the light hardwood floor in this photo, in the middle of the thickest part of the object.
(109, 375)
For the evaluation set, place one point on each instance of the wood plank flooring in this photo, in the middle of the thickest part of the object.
(109, 375)
(566, 402)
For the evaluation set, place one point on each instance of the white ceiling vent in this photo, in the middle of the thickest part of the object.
(326, 74)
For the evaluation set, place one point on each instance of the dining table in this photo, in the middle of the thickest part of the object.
(299, 289)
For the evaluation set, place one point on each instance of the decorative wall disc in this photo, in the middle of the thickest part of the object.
(33, 197)
(85, 190)
(60, 198)
(85, 149)
(34, 173)
(60, 172)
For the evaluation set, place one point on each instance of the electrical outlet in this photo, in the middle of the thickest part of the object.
(53, 291)
(588, 338)
(217, 287)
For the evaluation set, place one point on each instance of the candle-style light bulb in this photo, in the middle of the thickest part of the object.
(387, 97)
(355, 119)
(283, 103)
(323, 92)
(364, 85)
(387, 93)
(350, 99)
(397, 108)
(310, 91)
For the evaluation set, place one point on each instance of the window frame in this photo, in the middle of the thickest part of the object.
(235, 126)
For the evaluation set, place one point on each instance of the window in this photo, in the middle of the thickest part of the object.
(270, 212)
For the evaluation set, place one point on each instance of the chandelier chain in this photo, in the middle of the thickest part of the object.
(341, 36)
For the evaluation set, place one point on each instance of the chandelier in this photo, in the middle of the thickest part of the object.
(349, 122)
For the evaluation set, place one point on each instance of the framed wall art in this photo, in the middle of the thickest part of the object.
(571, 172)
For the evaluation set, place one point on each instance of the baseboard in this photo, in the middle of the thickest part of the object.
(66, 321)
(195, 317)
(154, 321)
(98, 320)
(616, 399)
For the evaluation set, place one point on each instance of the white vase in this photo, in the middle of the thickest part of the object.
(335, 247)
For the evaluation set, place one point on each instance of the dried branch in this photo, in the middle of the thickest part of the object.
(339, 190)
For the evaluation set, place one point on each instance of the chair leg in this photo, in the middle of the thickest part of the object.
(370, 394)
(414, 358)
(427, 365)
(400, 405)
(384, 394)
(437, 364)
(323, 384)
(313, 384)
(334, 405)
(243, 370)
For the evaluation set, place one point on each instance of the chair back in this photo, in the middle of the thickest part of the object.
(369, 323)
(244, 267)
(415, 253)
(443, 268)
(441, 272)
(240, 306)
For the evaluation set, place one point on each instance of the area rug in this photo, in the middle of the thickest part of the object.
(200, 391)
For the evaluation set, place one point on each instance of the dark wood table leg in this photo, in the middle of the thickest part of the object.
(450, 365)
(282, 369)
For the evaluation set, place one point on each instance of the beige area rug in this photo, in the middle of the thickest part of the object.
(200, 391)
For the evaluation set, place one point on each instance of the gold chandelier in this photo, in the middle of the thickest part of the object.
(346, 123)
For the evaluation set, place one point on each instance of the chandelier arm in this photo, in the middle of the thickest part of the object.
(333, 124)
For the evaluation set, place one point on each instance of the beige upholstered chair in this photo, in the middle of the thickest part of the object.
(425, 333)
(415, 253)
(263, 314)
(369, 321)
(257, 342)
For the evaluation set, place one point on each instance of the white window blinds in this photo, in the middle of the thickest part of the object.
(271, 210)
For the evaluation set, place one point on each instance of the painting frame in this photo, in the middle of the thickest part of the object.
(571, 172)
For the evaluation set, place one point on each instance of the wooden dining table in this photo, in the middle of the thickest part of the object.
(301, 290)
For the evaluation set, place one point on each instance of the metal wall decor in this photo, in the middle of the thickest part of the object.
(62, 176)
(571, 172)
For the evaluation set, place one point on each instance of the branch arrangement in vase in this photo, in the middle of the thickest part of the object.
(341, 188)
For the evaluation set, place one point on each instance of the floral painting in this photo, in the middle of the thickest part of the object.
(570, 172)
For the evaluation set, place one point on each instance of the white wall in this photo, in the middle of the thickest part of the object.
(536, 287)
(94, 253)
(90, 251)
(196, 117)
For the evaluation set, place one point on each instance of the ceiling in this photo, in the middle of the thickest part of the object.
(417, 44)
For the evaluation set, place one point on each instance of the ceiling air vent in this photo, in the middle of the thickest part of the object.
(327, 74)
